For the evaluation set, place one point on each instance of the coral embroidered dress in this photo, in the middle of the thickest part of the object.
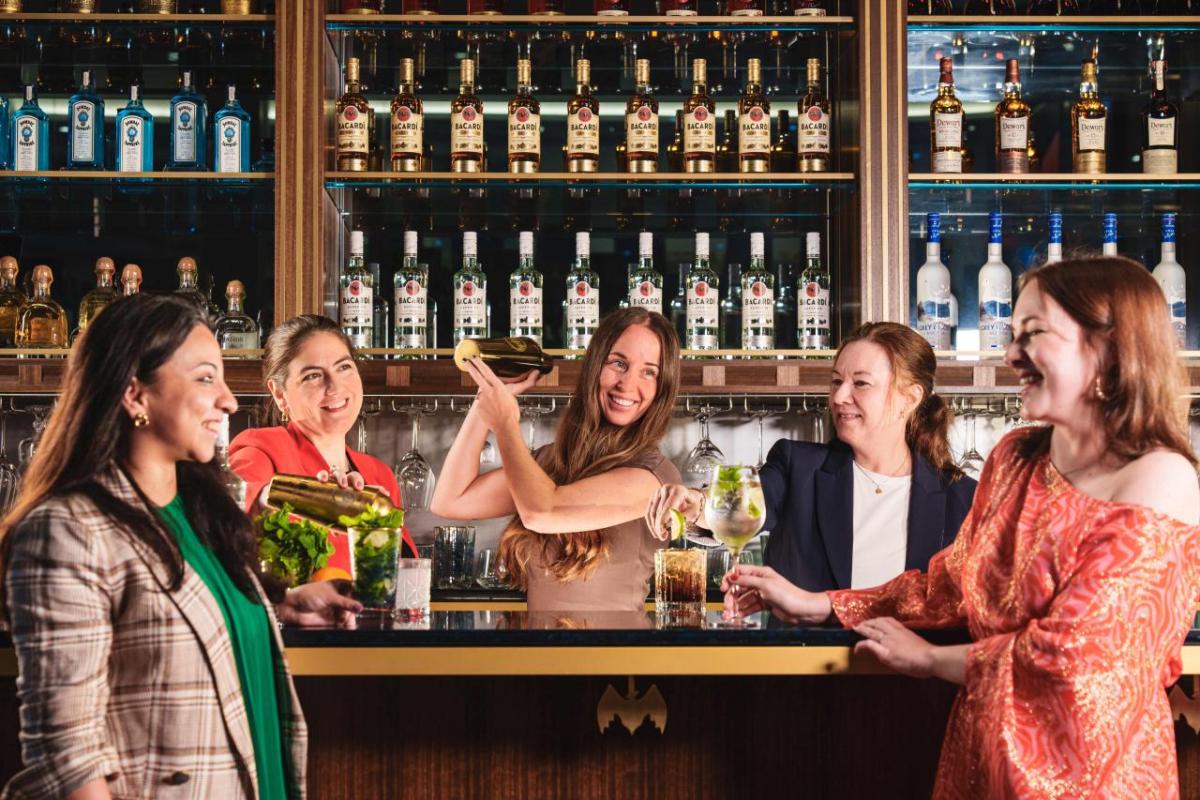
(1077, 608)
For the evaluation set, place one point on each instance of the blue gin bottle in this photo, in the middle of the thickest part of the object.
(85, 139)
(30, 135)
(135, 135)
(189, 114)
(5, 131)
(232, 138)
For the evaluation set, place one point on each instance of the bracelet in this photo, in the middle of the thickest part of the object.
(703, 500)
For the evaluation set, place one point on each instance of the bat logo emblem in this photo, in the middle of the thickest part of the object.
(632, 709)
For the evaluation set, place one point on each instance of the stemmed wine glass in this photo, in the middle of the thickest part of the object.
(972, 460)
(534, 410)
(705, 455)
(9, 480)
(26, 448)
(760, 415)
(815, 409)
(734, 511)
(413, 472)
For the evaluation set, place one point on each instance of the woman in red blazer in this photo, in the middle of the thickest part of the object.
(315, 385)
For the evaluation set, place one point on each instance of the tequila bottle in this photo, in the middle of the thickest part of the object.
(524, 123)
(1054, 247)
(583, 122)
(525, 293)
(645, 282)
(214, 310)
(85, 139)
(30, 135)
(1160, 153)
(356, 306)
(1012, 123)
(466, 123)
(703, 301)
(135, 135)
(11, 299)
(1088, 125)
(758, 299)
(232, 135)
(754, 122)
(995, 292)
(234, 483)
(813, 123)
(946, 124)
(641, 123)
(1109, 246)
(189, 283)
(933, 289)
(235, 329)
(812, 298)
(410, 287)
(94, 301)
(408, 125)
(131, 280)
(582, 313)
(1173, 280)
(189, 114)
(699, 123)
(41, 321)
(353, 140)
(470, 294)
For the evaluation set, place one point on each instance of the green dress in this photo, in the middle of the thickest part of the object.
(253, 649)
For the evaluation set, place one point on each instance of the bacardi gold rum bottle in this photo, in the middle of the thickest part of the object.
(813, 124)
(946, 124)
(641, 123)
(524, 123)
(42, 322)
(408, 123)
(353, 124)
(754, 123)
(583, 122)
(1088, 125)
(1012, 124)
(94, 301)
(11, 299)
(131, 280)
(466, 123)
(699, 123)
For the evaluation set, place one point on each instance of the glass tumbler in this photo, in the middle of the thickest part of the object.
(373, 556)
(412, 589)
(454, 556)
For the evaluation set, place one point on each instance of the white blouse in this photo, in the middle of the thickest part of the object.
(880, 527)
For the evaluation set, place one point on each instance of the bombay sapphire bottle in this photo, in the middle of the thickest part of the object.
(135, 132)
(232, 124)
(85, 140)
(5, 130)
(30, 135)
(188, 115)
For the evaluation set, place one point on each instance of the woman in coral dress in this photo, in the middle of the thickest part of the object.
(1076, 571)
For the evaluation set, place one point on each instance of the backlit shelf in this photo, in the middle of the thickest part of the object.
(1064, 24)
(1054, 180)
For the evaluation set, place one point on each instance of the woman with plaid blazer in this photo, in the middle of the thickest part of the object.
(150, 661)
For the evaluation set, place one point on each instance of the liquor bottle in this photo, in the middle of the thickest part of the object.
(135, 135)
(1054, 247)
(808, 8)
(484, 7)
(754, 122)
(813, 124)
(234, 483)
(641, 123)
(95, 300)
(933, 289)
(758, 299)
(1056, 7)
(5, 135)
(189, 282)
(547, 8)
(1173, 280)
(675, 148)
(381, 322)
(235, 329)
(1088, 118)
(232, 135)
(1012, 123)
(85, 140)
(677, 305)
(239, 8)
(785, 306)
(524, 123)
(353, 124)
(727, 148)
(929, 7)
(745, 8)
(731, 306)
(946, 124)
(41, 321)
(470, 294)
(582, 305)
(356, 306)
(995, 292)
(30, 135)
(583, 122)
(645, 282)
(812, 298)
(510, 357)
(703, 301)
(408, 123)
(11, 298)
(1160, 151)
(410, 287)
(611, 8)
(525, 293)
(783, 152)
(466, 123)
(188, 117)
(1109, 247)
(699, 123)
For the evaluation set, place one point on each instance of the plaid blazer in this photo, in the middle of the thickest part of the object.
(121, 679)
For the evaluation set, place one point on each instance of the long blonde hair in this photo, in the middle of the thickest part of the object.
(587, 444)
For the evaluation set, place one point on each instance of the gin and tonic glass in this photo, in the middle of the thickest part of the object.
(734, 511)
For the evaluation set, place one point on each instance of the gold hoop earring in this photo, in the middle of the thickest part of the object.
(283, 416)
(140, 420)
(1098, 390)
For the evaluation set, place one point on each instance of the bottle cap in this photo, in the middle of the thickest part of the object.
(104, 264)
(1012, 71)
(642, 71)
(812, 244)
(524, 72)
(8, 264)
(186, 264)
(757, 245)
(933, 227)
(1056, 228)
(356, 243)
(410, 243)
(131, 273)
(406, 70)
(583, 244)
(947, 71)
(1089, 70)
(352, 70)
(223, 429)
(231, 94)
(470, 244)
(995, 226)
(646, 244)
(29, 91)
(235, 289)
(525, 243)
(135, 92)
(187, 79)
(1168, 228)
(86, 79)
(700, 71)
(754, 70)
(701, 245)
(43, 274)
(1110, 228)
(583, 71)
(466, 72)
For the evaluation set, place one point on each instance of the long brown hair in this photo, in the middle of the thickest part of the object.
(586, 444)
(1123, 314)
(284, 344)
(913, 363)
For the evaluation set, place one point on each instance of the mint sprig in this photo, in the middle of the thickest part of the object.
(292, 548)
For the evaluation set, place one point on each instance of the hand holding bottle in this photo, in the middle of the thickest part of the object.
(496, 401)
(753, 588)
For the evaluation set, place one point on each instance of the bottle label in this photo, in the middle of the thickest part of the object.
(184, 130)
(995, 319)
(583, 310)
(1160, 132)
(813, 302)
(1014, 133)
(703, 302)
(646, 295)
(525, 306)
(758, 306)
(754, 132)
(26, 144)
(411, 302)
(353, 135)
(700, 131)
(813, 131)
(947, 161)
(241, 340)
(470, 306)
(1160, 161)
(524, 132)
(229, 145)
(132, 132)
(357, 307)
(933, 322)
(408, 132)
(947, 130)
(583, 133)
(641, 131)
(83, 131)
(466, 131)
(1091, 134)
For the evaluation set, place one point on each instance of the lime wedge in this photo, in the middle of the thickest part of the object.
(676, 524)
(753, 510)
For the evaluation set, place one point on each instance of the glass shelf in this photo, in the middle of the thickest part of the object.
(1046, 182)
(156, 20)
(1065, 24)
(99, 178)
(596, 180)
(559, 22)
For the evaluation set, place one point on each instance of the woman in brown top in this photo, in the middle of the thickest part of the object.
(578, 541)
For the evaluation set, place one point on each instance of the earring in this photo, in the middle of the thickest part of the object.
(1098, 390)
(283, 416)
(140, 420)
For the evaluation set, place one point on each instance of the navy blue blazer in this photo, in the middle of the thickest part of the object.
(809, 491)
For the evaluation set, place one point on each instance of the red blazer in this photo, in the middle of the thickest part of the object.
(258, 454)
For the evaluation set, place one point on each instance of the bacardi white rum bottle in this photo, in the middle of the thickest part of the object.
(703, 301)
(357, 302)
(470, 294)
(812, 298)
(758, 299)
(410, 293)
(646, 283)
(525, 293)
(582, 304)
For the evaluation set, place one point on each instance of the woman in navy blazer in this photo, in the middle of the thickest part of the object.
(891, 448)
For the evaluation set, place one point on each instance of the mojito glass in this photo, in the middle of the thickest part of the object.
(679, 588)
(373, 556)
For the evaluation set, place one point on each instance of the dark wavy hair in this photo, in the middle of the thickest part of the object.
(88, 433)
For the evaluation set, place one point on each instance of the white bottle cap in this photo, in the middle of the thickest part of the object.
(356, 243)
(645, 245)
(231, 93)
(758, 247)
(470, 246)
(410, 243)
(583, 244)
(525, 244)
(223, 431)
(813, 243)
(701, 245)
